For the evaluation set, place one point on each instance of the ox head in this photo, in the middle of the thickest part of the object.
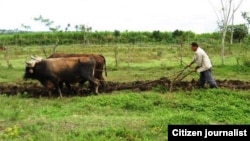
(29, 69)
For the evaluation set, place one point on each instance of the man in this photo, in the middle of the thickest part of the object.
(203, 66)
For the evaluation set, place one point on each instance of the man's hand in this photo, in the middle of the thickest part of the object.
(195, 69)
(189, 65)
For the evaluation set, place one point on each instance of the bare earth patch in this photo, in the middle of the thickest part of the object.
(32, 89)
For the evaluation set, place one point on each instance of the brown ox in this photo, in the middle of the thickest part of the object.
(51, 72)
(100, 64)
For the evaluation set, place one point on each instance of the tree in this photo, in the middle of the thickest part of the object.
(76, 27)
(246, 16)
(188, 35)
(226, 14)
(232, 30)
(48, 23)
(85, 29)
(156, 35)
(117, 35)
(179, 36)
(25, 27)
(67, 27)
(240, 31)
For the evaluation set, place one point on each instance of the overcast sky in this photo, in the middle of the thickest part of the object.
(109, 15)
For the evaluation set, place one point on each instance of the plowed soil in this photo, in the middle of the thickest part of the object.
(35, 89)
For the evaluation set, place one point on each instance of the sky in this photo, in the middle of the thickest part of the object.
(198, 16)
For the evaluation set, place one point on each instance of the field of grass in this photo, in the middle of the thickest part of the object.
(122, 115)
(135, 62)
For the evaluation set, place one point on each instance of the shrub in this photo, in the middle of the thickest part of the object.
(246, 61)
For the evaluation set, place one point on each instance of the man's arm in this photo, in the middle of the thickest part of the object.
(192, 62)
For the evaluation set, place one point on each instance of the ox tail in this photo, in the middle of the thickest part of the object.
(105, 68)
(94, 65)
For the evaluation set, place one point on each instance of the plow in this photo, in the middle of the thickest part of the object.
(179, 77)
(170, 84)
(33, 89)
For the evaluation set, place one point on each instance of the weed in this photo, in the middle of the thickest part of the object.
(10, 132)
(160, 89)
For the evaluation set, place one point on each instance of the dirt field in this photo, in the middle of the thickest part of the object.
(35, 89)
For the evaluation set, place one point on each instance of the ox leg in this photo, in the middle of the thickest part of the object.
(102, 82)
(50, 93)
(68, 87)
(49, 88)
(60, 93)
(94, 84)
(82, 82)
(61, 85)
(58, 89)
(98, 75)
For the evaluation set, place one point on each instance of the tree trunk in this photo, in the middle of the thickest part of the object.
(232, 30)
(7, 57)
(223, 46)
(181, 53)
(116, 54)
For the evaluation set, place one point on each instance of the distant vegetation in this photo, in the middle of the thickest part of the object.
(121, 115)
(20, 38)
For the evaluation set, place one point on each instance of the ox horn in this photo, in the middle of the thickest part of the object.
(30, 63)
(36, 58)
(32, 57)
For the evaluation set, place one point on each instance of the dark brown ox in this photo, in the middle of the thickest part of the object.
(51, 72)
(100, 64)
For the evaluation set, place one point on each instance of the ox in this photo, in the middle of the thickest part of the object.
(100, 64)
(51, 72)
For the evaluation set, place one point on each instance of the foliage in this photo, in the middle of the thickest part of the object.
(160, 89)
(246, 16)
(246, 61)
(122, 115)
(240, 31)
(85, 35)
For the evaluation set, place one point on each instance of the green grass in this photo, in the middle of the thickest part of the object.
(134, 62)
(122, 115)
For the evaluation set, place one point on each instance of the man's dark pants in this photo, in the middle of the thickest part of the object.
(206, 76)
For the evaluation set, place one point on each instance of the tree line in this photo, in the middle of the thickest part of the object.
(103, 37)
